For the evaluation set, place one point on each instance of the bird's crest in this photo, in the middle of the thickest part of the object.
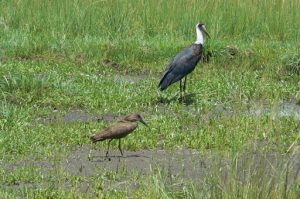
(133, 118)
(136, 117)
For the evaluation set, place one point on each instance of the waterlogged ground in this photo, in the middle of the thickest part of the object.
(220, 137)
(177, 167)
(233, 140)
(71, 68)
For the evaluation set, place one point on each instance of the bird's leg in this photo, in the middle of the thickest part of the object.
(107, 156)
(90, 153)
(180, 90)
(184, 85)
(120, 147)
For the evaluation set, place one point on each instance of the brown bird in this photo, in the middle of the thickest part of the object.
(119, 130)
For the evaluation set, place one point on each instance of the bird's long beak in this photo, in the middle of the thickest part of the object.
(205, 31)
(143, 121)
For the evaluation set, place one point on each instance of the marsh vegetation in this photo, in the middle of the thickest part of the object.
(70, 68)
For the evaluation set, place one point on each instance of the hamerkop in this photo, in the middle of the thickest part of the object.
(119, 130)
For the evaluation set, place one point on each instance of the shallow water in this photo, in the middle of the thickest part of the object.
(284, 109)
(185, 165)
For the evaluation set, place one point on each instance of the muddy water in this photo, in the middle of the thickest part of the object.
(79, 116)
(255, 109)
(184, 164)
(284, 109)
(181, 165)
(188, 164)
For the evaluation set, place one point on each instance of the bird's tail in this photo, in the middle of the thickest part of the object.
(165, 82)
(162, 83)
(95, 138)
(161, 88)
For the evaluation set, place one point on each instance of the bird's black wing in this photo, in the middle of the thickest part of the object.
(181, 65)
(180, 57)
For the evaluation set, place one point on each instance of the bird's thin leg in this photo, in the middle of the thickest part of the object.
(107, 156)
(120, 147)
(184, 85)
(180, 90)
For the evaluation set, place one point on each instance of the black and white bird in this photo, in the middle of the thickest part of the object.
(184, 62)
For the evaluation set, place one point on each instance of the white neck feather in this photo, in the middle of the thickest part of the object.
(200, 37)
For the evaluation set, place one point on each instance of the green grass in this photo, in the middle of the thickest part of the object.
(51, 62)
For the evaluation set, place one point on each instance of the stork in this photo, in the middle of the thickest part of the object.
(184, 62)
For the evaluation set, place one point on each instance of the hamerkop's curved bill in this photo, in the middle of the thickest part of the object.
(119, 130)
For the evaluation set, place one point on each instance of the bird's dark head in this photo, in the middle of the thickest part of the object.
(136, 117)
(202, 28)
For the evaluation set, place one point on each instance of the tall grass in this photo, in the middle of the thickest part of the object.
(275, 18)
(35, 26)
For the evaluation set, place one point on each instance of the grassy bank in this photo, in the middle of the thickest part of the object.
(141, 31)
(104, 59)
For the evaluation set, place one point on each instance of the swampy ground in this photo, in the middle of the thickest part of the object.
(71, 68)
